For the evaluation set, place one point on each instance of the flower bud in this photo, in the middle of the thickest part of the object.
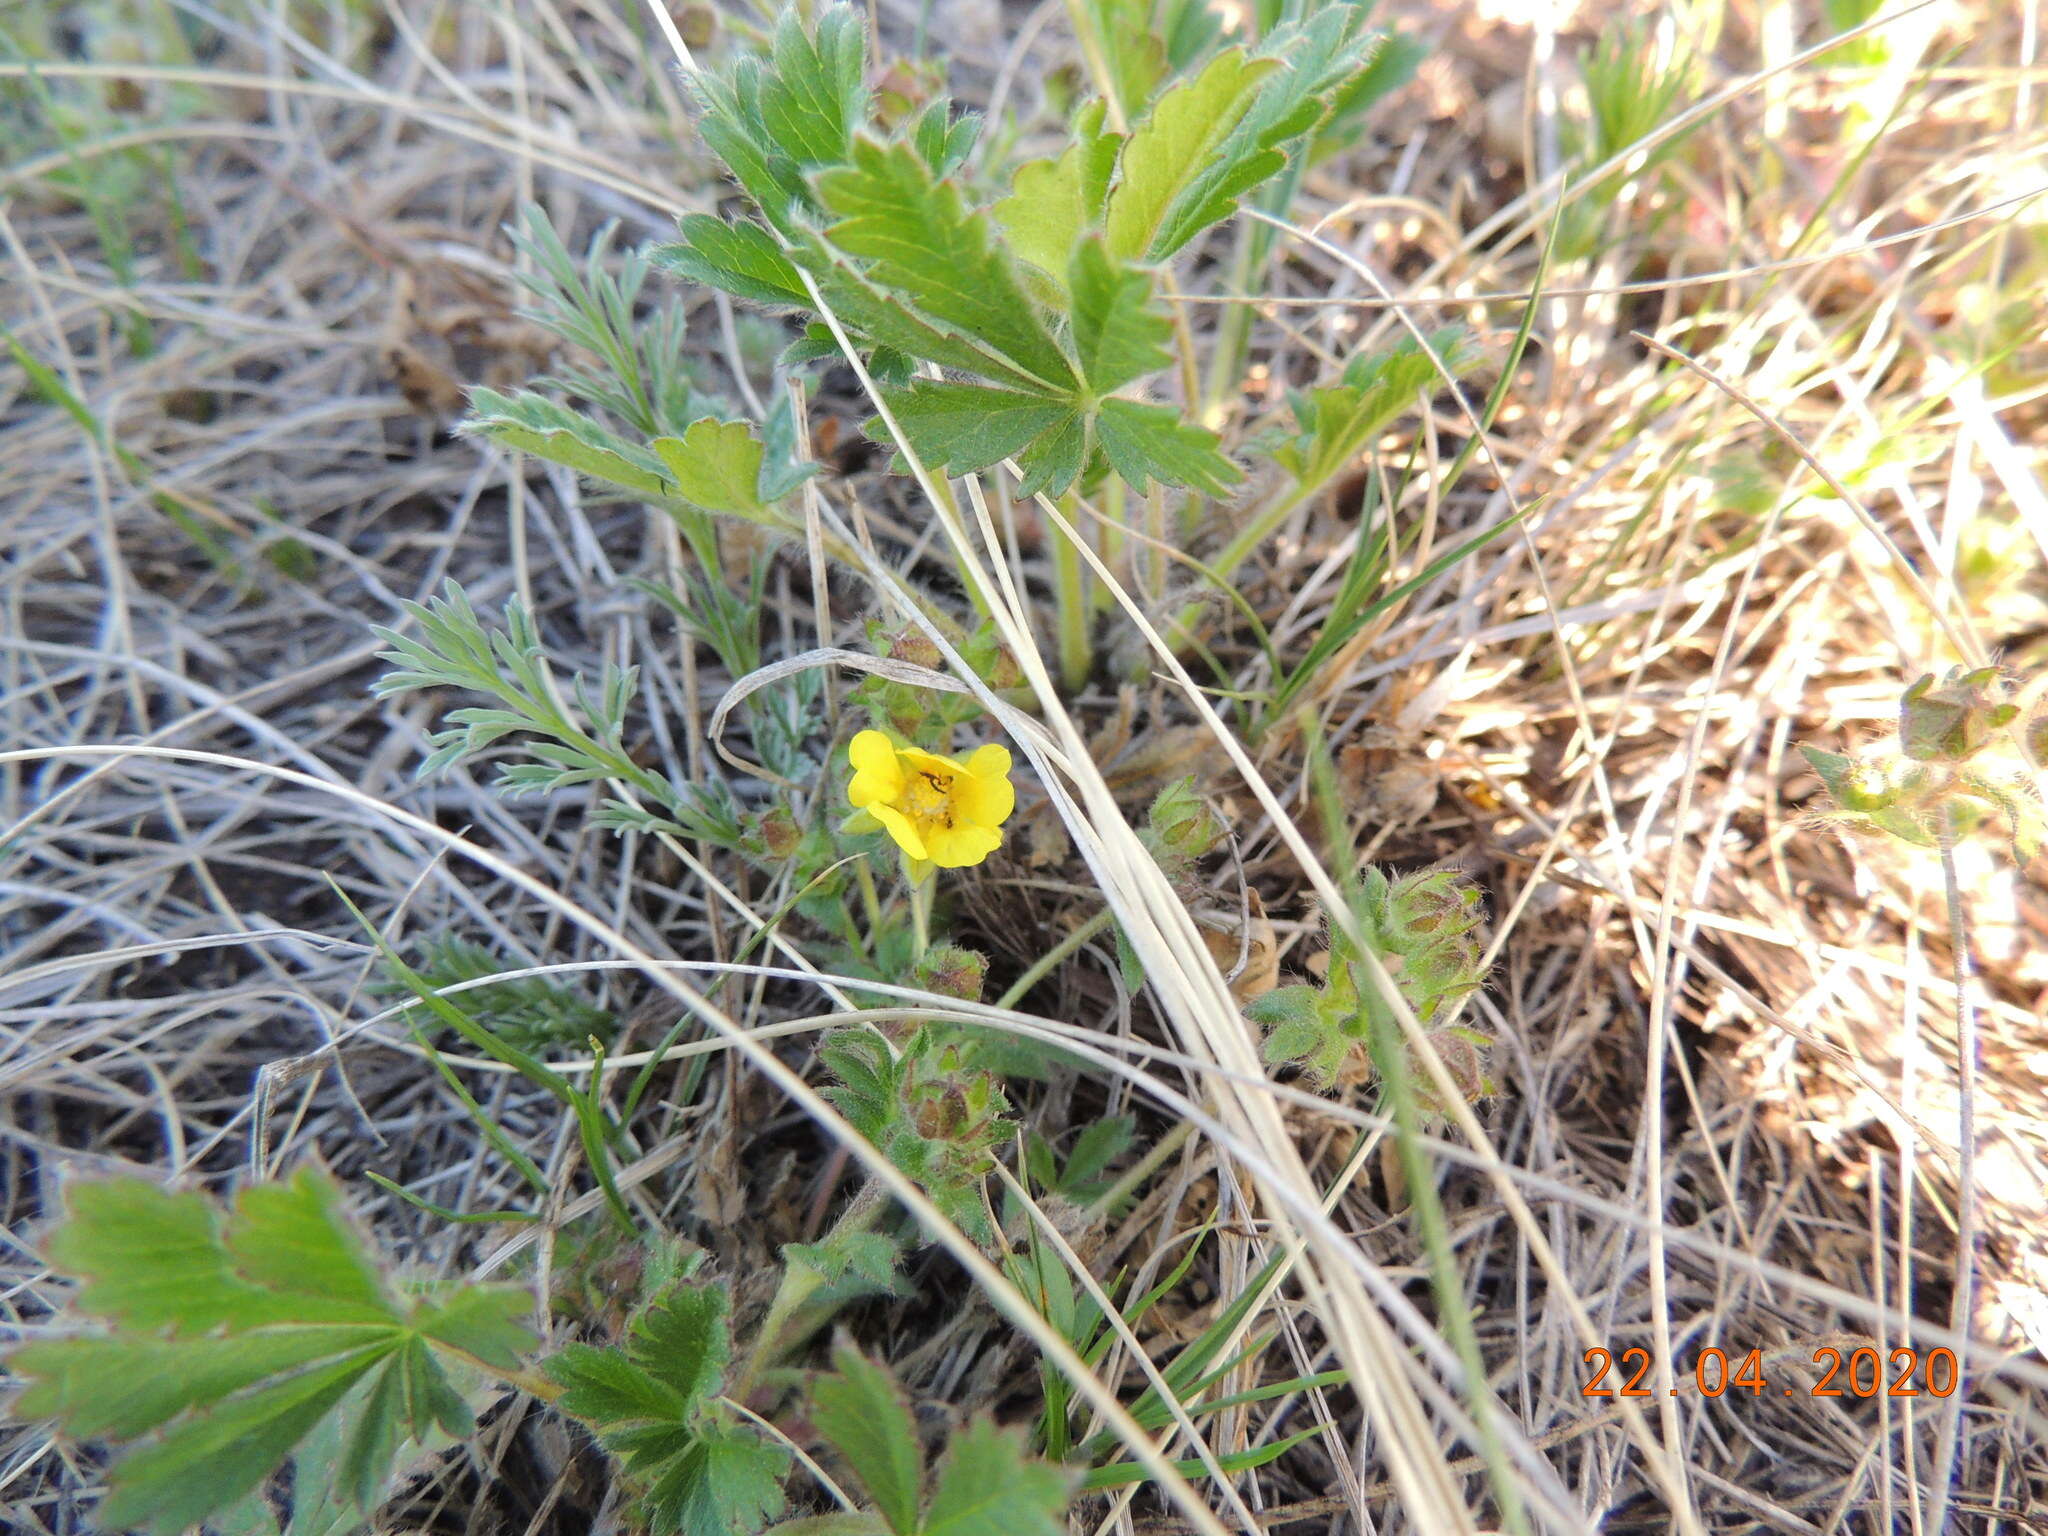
(1181, 821)
(1951, 723)
(951, 971)
(1003, 673)
(1866, 788)
(779, 833)
(915, 646)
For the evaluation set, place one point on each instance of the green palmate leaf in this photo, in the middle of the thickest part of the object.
(944, 141)
(863, 1413)
(716, 465)
(987, 1486)
(774, 120)
(1051, 464)
(724, 1482)
(1133, 54)
(917, 237)
(1120, 334)
(318, 1469)
(967, 427)
(742, 259)
(1150, 442)
(1177, 150)
(236, 1334)
(1214, 137)
(1392, 64)
(960, 428)
(886, 364)
(651, 1401)
(1339, 421)
(1143, 41)
(1052, 202)
(1330, 60)
(676, 1356)
(898, 333)
(848, 1264)
(533, 424)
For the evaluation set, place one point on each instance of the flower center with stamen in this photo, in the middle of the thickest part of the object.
(928, 798)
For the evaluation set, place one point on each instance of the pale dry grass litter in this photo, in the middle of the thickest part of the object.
(1727, 1041)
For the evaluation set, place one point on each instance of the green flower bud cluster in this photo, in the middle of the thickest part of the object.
(1179, 829)
(926, 1110)
(924, 716)
(1953, 722)
(952, 971)
(1949, 777)
(1424, 928)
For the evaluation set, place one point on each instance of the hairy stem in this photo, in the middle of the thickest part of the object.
(799, 1285)
(1044, 964)
(1070, 593)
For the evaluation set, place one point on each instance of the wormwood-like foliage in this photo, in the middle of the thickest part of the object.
(453, 648)
(714, 466)
(233, 1335)
(531, 1013)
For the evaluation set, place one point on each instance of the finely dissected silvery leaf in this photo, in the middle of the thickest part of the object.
(533, 424)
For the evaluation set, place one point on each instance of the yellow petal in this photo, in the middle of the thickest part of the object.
(957, 847)
(920, 761)
(877, 772)
(984, 792)
(899, 827)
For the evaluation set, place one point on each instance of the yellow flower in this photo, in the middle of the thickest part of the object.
(941, 811)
